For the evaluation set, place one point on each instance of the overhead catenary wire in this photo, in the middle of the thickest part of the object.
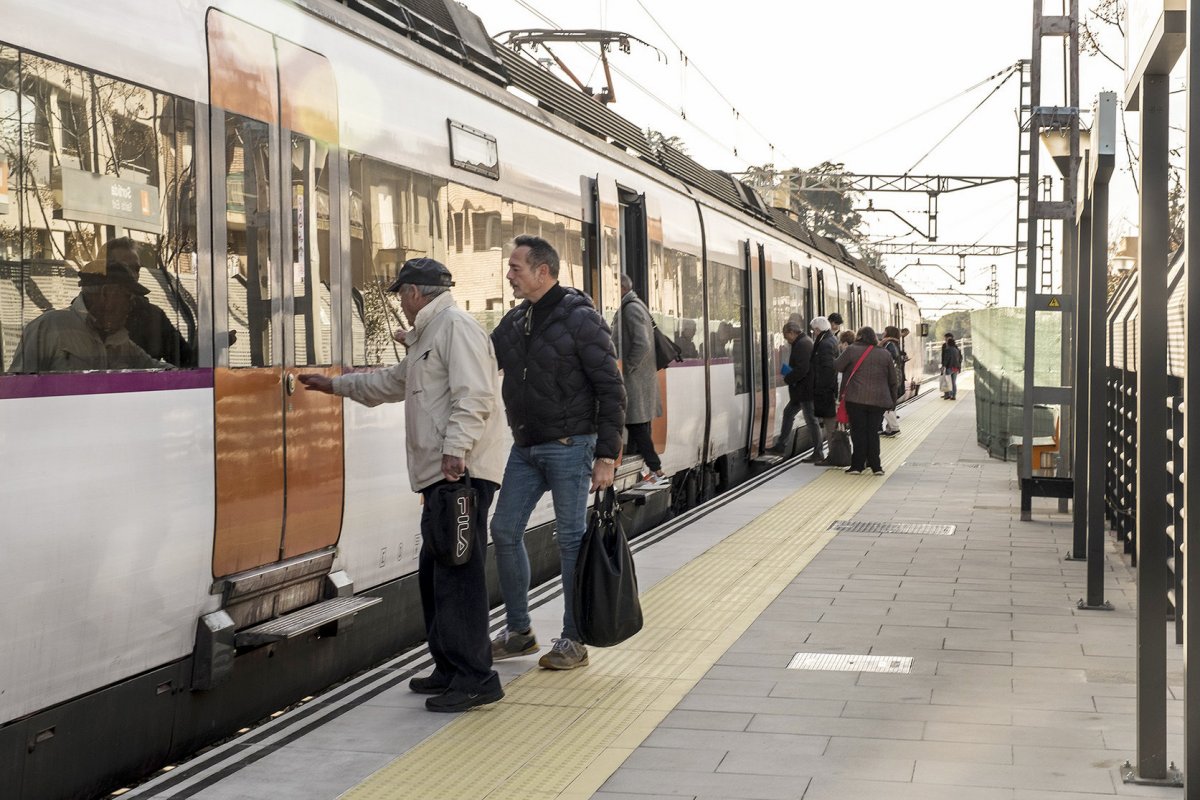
(1004, 73)
(646, 92)
(959, 124)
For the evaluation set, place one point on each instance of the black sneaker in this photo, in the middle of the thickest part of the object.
(853, 471)
(877, 471)
(454, 700)
(428, 685)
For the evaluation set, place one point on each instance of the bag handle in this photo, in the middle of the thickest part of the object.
(605, 503)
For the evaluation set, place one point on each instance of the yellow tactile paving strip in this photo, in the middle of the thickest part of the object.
(562, 734)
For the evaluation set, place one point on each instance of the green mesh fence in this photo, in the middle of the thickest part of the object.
(998, 336)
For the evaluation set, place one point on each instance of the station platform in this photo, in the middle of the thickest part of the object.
(730, 691)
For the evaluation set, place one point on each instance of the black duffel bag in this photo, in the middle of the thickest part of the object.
(607, 610)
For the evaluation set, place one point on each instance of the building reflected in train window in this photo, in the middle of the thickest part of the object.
(683, 284)
(727, 310)
(97, 222)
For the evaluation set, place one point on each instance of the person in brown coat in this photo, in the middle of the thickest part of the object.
(869, 383)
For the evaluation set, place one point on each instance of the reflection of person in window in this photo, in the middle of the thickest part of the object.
(685, 341)
(91, 333)
(148, 325)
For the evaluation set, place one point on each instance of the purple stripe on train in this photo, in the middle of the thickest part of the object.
(76, 383)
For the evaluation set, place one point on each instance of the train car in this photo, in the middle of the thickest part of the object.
(191, 542)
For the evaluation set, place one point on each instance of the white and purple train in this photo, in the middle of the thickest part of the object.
(182, 548)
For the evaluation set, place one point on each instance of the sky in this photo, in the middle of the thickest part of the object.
(801, 82)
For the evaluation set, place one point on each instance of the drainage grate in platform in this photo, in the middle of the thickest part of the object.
(920, 529)
(841, 662)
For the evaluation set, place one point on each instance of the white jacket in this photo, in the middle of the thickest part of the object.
(451, 388)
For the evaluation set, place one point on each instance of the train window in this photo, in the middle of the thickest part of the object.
(682, 292)
(311, 302)
(405, 214)
(787, 302)
(727, 313)
(479, 285)
(97, 222)
(473, 150)
(248, 246)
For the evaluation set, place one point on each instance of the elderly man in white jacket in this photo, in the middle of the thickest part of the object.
(451, 389)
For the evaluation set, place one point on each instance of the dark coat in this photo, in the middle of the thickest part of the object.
(561, 378)
(875, 382)
(951, 357)
(799, 380)
(824, 375)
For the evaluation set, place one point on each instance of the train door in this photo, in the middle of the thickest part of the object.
(279, 458)
(852, 316)
(758, 370)
(808, 294)
(821, 293)
(606, 287)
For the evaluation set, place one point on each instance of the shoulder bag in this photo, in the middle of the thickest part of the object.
(843, 414)
(665, 351)
(607, 610)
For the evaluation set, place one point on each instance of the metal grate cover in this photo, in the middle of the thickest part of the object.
(918, 528)
(841, 662)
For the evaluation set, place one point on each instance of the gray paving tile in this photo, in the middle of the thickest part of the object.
(676, 759)
(823, 788)
(751, 787)
(707, 720)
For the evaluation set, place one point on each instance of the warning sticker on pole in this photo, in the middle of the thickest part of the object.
(1054, 303)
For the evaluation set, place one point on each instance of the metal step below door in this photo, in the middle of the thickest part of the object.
(289, 626)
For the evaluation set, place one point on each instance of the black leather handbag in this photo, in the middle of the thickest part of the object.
(451, 534)
(607, 610)
(665, 351)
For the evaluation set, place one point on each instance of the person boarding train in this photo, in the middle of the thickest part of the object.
(449, 383)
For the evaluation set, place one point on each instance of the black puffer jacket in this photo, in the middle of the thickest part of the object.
(561, 377)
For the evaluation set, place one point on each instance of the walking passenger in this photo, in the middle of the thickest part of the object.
(565, 402)
(951, 365)
(836, 323)
(633, 338)
(797, 374)
(824, 384)
(450, 387)
(869, 386)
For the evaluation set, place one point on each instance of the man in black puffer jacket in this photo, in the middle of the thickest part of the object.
(565, 401)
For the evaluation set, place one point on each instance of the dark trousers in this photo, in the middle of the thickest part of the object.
(642, 444)
(455, 603)
(864, 435)
(789, 418)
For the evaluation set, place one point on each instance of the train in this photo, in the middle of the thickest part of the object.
(190, 546)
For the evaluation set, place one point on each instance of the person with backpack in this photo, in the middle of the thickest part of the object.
(633, 337)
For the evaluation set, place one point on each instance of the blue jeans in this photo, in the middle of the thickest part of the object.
(953, 384)
(565, 470)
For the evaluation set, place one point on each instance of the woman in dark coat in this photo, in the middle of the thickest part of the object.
(869, 383)
(951, 365)
(824, 379)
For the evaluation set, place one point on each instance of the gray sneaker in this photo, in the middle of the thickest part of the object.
(510, 644)
(565, 654)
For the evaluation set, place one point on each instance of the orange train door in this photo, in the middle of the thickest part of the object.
(279, 457)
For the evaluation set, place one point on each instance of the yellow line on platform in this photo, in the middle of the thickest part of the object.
(562, 734)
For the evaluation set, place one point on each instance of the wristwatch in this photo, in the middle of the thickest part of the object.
(609, 461)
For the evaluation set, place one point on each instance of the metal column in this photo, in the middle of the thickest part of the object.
(1100, 168)
(1191, 400)
(1083, 411)
(1151, 434)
